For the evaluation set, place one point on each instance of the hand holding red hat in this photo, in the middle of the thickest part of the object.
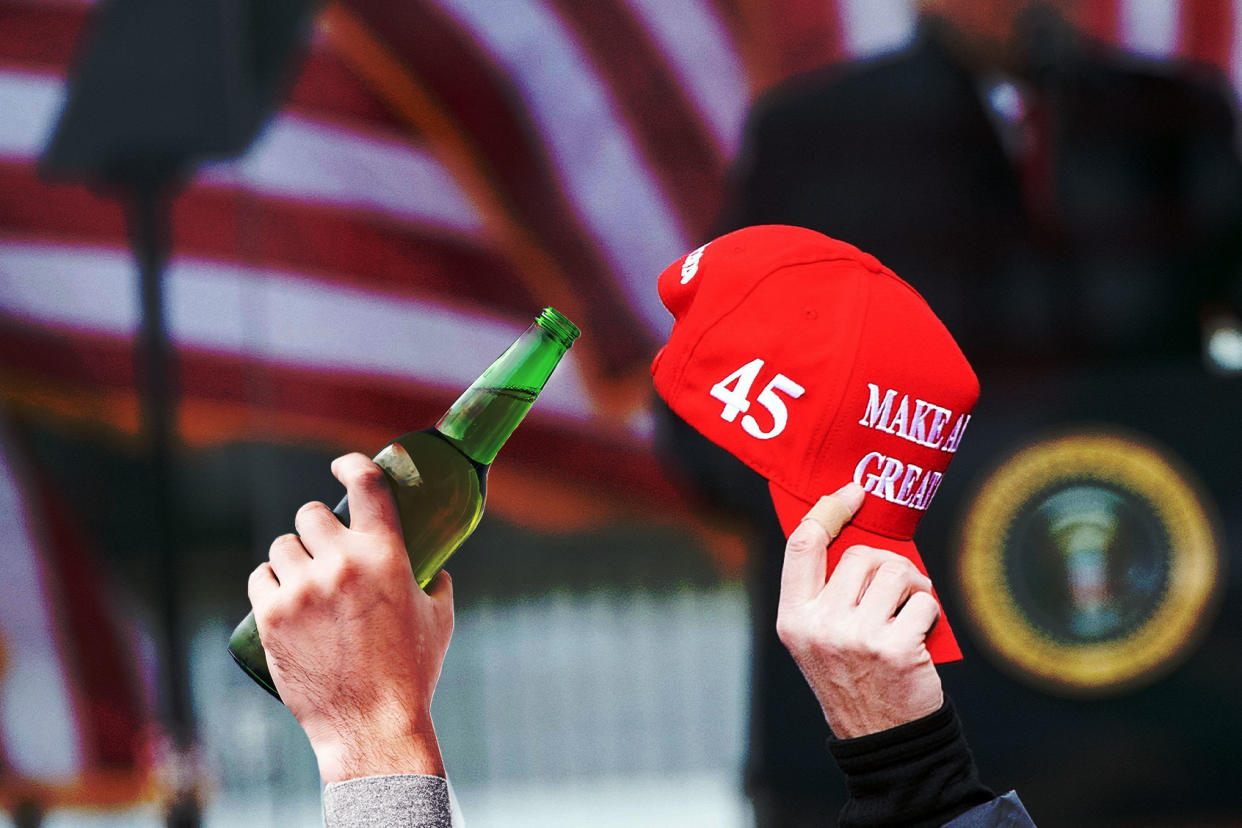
(814, 364)
(860, 636)
(806, 557)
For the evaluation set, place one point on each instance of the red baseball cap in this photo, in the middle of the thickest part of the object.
(816, 365)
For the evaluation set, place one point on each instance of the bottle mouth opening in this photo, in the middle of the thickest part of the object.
(557, 324)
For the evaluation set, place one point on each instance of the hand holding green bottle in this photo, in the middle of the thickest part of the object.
(354, 644)
(438, 476)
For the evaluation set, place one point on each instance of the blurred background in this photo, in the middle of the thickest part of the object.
(238, 239)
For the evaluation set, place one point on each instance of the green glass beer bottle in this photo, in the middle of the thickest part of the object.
(439, 475)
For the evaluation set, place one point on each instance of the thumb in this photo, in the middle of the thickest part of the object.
(805, 569)
(835, 510)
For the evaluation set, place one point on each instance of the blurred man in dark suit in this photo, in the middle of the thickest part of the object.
(1051, 199)
(1057, 203)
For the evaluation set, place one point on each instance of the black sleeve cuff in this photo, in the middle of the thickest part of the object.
(917, 774)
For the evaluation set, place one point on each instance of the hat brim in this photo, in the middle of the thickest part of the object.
(790, 510)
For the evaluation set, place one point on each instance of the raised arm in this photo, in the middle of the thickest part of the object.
(355, 649)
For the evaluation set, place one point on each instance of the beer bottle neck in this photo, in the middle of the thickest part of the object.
(489, 410)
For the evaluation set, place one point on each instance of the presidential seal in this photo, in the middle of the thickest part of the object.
(1089, 562)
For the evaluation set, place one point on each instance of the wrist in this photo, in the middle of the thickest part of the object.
(926, 732)
(408, 747)
(851, 716)
(920, 773)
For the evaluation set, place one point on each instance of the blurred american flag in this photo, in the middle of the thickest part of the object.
(441, 171)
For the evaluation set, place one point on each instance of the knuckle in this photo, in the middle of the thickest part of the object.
(925, 599)
(270, 615)
(256, 578)
(806, 542)
(784, 630)
(872, 648)
(885, 647)
(850, 640)
(826, 635)
(790, 632)
(898, 561)
(898, 568)
(383, 561)
(307, 509)
(890, 650)
(282, 544)
(342, 573)
(366, 474)
(298, 599)
(859, 551)
(847, 637)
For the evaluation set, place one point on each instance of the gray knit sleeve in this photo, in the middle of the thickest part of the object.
(394, 801)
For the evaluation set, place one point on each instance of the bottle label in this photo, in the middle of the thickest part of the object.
(395, 460)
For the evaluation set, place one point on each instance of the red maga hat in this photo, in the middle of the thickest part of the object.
(816, 365)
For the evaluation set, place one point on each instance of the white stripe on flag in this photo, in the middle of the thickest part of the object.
(600, 168)
(1149, 27)
(301, 159)
(870, 27)
(30, 104)
(38, 725)
(692, 37)
(294, 157)
(272, 316)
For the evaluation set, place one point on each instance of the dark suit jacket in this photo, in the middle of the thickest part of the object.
(899, 156)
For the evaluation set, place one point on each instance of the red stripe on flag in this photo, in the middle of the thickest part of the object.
(227, 397)
(732, 15)
(659, 114)
(1101, 19)
(1207, 31)
(40, 37)
(31, 205)
(509, 153)
(113, 720)
(322, 241)
(327, 90)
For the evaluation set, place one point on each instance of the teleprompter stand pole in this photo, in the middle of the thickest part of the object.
(157, 89)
